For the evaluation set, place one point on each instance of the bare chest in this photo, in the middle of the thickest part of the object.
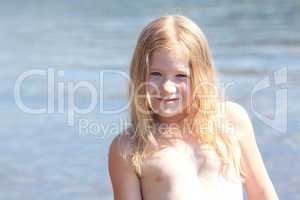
(182, 161)
(184, 171)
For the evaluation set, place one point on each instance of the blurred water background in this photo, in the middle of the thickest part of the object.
(43, 157)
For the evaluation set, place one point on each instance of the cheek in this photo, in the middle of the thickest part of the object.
(152, 91)
(185, 90)
(153, 87)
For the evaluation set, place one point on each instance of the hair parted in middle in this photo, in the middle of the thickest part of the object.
(169, 32)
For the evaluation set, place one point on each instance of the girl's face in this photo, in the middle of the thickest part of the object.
(168, 83)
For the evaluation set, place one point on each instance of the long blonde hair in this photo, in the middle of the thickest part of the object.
(169, 32)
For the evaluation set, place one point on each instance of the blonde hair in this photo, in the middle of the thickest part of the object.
(171, 32)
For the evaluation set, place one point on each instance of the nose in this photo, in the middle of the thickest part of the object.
(169, 87)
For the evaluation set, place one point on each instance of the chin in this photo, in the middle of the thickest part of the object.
(169, 113)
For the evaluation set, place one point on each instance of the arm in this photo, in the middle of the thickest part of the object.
(257, 182)
(125, 182)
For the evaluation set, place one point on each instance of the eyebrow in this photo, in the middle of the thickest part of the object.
(177, 70)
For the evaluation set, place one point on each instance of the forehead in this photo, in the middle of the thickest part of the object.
(166, 59)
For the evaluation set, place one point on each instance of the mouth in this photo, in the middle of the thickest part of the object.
(169, 100)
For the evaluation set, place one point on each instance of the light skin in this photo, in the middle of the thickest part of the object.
(181, 168)
(169, 85)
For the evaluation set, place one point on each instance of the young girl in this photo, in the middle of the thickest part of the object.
(185, 142)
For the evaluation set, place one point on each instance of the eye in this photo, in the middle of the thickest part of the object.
(155, 74)
(181, 75)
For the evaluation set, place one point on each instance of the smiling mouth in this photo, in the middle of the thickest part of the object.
(168, 100)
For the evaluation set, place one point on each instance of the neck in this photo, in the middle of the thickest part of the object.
(173, 124)
(176, 119)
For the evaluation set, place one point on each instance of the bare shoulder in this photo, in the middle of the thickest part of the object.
(124, 179)
(121, 146)
(234, 111)
(257, 181)
(239, 117)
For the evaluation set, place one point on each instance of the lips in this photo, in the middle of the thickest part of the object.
(168, 99)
